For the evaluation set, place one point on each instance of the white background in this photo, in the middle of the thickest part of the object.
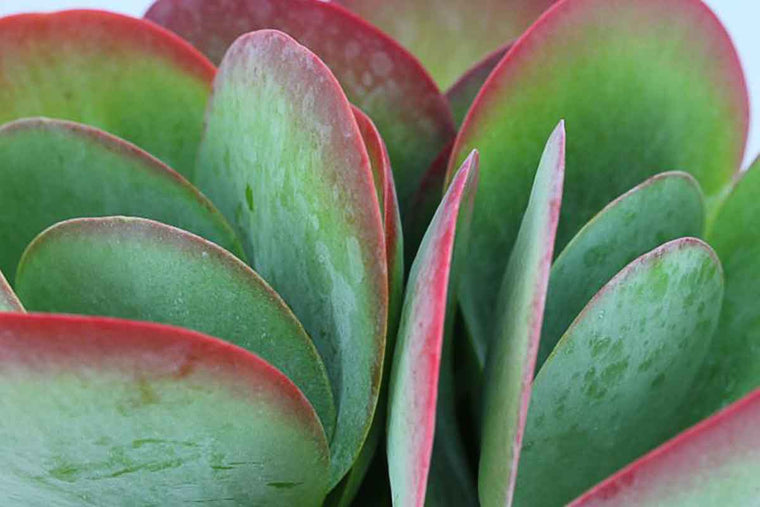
(740, 17)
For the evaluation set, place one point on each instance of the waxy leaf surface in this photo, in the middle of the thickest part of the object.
(611, 389)
(377, 74)
(716, 462)
(427, 311)
(123, 75)
(644, 87)
(8, 300)
(138, 269)
(283, 157)
(112, 412)
(663, 208)
(511, 353)
(53, 170)
(448, 36)
(732, 368)
(466, 88)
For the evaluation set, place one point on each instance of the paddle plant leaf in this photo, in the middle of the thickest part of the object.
(716, 462)
(376, 73)
(123, 75)
(52, 170)
(433, 29)
(8, 300)
(138, 269)
(732, 368)
(611, 389)
(664, 207)
(514, 346)
(113, 412)
(644, 87)
(294, 177)
(418, 356)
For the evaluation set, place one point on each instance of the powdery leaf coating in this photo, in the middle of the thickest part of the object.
(376, 73)
(611, 390)
(716, 462)
(123, 75)
(138, 269)
(283, 157)
(432, 29)
(8, 300)
(511, 354)
(644, 86)
(53, 170)
(662, 208)
(417, 359)
(120, 412)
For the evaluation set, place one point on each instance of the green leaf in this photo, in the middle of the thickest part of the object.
(714, 463)
(294, 177)
(448, 36)
(611, 389)
(417, 363)
(644, 86)
(109, 412)
(664, 207)
(53, 170)
(513, 348)
(376, 73)
(123, 75)
(463, 92)
(8, 300)
(732, 368)
(142, 270)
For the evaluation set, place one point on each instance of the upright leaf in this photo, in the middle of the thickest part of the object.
(8, 300)
(284, 159)
(53, 170)
(644, 86)
(427, 312)
(512, 350)
(611, 389)
(111, 412)
(121, 74)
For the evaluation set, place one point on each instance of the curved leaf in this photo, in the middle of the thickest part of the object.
(461, 94)
(664, 207)
(113, 412)
(142, 270)
(714, 463)
(732, 368)
(377, 74)
(611, 389)
(94, 174)
(449, 35)
(8, 300)
(123, 75)
(512, 350)
(293, 175)
(418, 357)
(644, 86)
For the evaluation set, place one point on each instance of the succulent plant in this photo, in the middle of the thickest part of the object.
(223, 306)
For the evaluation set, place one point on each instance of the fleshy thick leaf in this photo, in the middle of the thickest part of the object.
(113, 412)
(377, 74)
(732, 368)
(611, 389)
(8, 300)
(664, 207)
(284, 158)
(123, 75)
(448, 36)
(466, 88)
(644, 86)
(512, 350)
(138, 269)
(714, 463)
(53, 170)
(427, 311)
